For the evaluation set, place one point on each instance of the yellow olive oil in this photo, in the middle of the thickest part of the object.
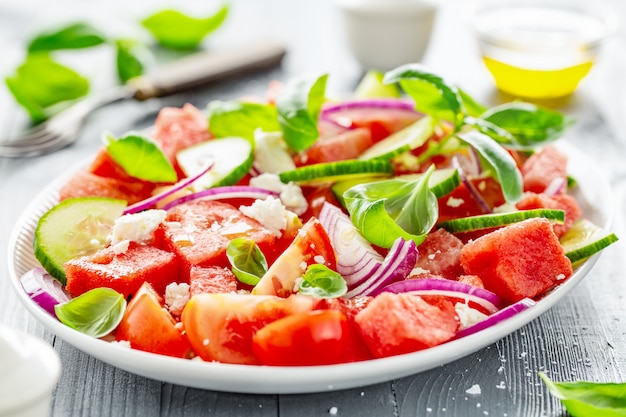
(536, 83)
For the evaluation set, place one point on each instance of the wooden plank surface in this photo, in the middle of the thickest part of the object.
(582, 337)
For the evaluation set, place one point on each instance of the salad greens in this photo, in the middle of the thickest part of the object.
(41, 84)
(96, 312)
(322, 282)
(247, 261)
(140, 157)
(589, 399)
(298, 108)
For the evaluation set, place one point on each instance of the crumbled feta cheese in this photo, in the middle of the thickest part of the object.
(296, 284)
(505, 208)
(482, 185)
(176, 296)
(137, 227)
(454, 202)
(290, 194)
(560, 277)
(234, 229)
(121, 247)
(319, 259)
(467, 315)
(270, 152)
(407, 161)
(121, 343)
(269, 212)
(418, 271)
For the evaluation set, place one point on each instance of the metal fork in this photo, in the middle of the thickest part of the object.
(186, 73)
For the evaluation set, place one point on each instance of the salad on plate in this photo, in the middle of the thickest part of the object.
(301, 230)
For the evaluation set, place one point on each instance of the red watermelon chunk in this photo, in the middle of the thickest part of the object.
(563, 202)
(86, 184)
(393, 324)
(440, 254)
(521, 260)
(124, 272)
(211, 280)
(199, 232)
(346, 145)
(543, 167)
(176, 129)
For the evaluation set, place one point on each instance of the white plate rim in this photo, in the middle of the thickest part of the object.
(593, 193)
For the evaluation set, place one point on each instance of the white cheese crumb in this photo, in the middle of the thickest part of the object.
(454, 202)
(176, 296)
(290, 194)
(137, 227)
(474, 390)
(121, 247)
(482, 185)
(121, 343)
(560, 277)
(269, 212)
(505, 208)
(303, 266)
(270, 152)
(418, 271)
(319, 259)
(296, 284)
(467, 315)
(431, 256)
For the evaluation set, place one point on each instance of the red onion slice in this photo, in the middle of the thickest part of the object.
(43, 289)
(222, 193)
(151, 201)
(470, 187)
(498, 317)
(556, 186)
(329, 112)
(434, 286)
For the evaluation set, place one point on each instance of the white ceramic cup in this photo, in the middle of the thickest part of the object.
(384, 34)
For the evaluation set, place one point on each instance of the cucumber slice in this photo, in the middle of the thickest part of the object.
(371, 86)
(74, 227)
(411, 137)
(337, 171)
(487, 221)
(585, 239)
(232, 158)
(441, 182)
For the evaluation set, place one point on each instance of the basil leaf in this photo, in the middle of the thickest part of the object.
(129, 59)
(495, 132)
(530, 124)
(247, 261)
(175, 30)
(472, 107)
(74, 36)
(372, 86)
(322, 282)
(431, 93)
(386, 210)
(298, 107)
(233, 118)
(140, 157)
(40, 82)
(502, 162)
(96, 312)
(589, 399)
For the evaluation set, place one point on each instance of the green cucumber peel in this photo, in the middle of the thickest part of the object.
(589, 399)
(95, 313)
(234, 118)
(140, 157)
(299, 106)
(175, 30)
(247, 261)
(337, 171)
(502, 163)
(322, 282)
(487, 221)
(386, 210)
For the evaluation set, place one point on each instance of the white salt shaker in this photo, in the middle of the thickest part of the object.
(29, 371)
(384, 34)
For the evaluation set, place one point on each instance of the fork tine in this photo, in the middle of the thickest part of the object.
(46, 143)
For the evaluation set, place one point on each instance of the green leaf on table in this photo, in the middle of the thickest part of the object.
(96, 312)
(40, 83)
(385, 210)
(299, 107)
(322, 282)
(175, 30)
(531, 125)
(140, 157)
(234, 118)
(500, 160)
(129, 59)
(589, 399)
(430, 92)
(74, 36)
(247, 261)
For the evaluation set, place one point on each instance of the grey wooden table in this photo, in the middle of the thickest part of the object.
(582, 338)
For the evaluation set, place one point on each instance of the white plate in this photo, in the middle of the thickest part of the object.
(593, 193)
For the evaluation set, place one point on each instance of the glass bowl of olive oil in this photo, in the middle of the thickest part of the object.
(540, 49)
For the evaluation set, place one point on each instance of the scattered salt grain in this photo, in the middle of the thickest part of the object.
(333, 411)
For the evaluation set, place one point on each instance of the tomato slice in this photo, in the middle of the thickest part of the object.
(220, 327)
(151, 328)
(311, 338)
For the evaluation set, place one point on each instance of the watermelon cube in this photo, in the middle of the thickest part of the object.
(211, 280)
(517, 261)
(124, 272)
(543, 167)
(393, 324)
(440, 254)
(563, 202)
(87, 184)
